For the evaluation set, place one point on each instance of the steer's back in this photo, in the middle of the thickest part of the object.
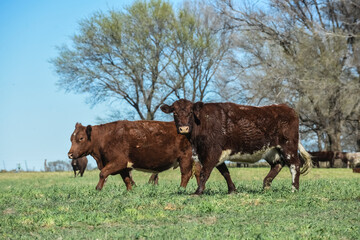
(324, 156)
(248, 128)
(151, 145)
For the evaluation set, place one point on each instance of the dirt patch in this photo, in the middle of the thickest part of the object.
(170, 207)
(209, 220)
(8, 211)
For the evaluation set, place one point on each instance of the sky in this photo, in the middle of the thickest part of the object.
(36, 116)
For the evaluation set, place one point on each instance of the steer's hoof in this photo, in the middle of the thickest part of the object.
(232, 191)
(294, 189)
(194, 195)
(197, 193)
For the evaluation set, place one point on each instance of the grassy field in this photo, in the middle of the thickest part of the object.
(48, 205)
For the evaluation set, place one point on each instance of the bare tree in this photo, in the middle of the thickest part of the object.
(142, 56)
(199, 52)
(122, 56)
(58, 166)
(302, 53)
(46, 168)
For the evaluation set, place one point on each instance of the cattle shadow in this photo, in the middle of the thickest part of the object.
(218, 189)
(240, 189)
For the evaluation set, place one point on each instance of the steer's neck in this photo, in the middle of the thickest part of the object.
(95, 146)
(192, 137)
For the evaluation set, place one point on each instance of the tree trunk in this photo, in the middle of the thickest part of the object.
(334, 139)
(150, 115)
(319, 139)
(326, 140)
(358, 137)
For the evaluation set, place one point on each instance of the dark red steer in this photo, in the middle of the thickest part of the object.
(121, 146)
(79, 164)
(348, 159)
(324, 156)
(227, 131)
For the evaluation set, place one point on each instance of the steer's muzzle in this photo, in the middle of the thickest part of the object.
(70, 155)
(184, 129)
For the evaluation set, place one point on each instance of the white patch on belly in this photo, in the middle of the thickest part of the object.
(271, 155)
(130, 165)
(224, 156)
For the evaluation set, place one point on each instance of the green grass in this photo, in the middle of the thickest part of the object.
(57, 206)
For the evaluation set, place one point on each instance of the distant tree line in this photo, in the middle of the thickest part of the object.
(61, 166)
(303, 53)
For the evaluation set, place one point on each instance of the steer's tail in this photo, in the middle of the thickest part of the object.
(306, 159)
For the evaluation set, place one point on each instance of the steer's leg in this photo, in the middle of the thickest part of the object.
(295, 174)
(101, 182)
(276, 160)
(197, 168)
(186, 165)
(109, 169)
(131, 179)
(125, 174)
(274, 171)
(204, 175)
(226, 174)
(156, 181)
(154, 178)
(291, 158)
(208, 163)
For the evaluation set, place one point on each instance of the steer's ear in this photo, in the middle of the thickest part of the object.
(196, 108)
(88, 132)
(166, 108)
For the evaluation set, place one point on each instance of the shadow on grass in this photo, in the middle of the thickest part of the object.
(255, 189)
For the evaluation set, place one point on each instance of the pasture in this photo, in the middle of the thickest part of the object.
(48, 205)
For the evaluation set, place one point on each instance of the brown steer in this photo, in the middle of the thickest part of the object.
(79, 164)
(227, 131)
(121, 146)
(324, 156)
(348, 159)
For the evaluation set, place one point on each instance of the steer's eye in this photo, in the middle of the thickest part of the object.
(81, 139)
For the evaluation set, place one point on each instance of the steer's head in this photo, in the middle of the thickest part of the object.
(186, 114)
(80, 141)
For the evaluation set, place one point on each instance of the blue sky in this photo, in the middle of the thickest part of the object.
(36, 117)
